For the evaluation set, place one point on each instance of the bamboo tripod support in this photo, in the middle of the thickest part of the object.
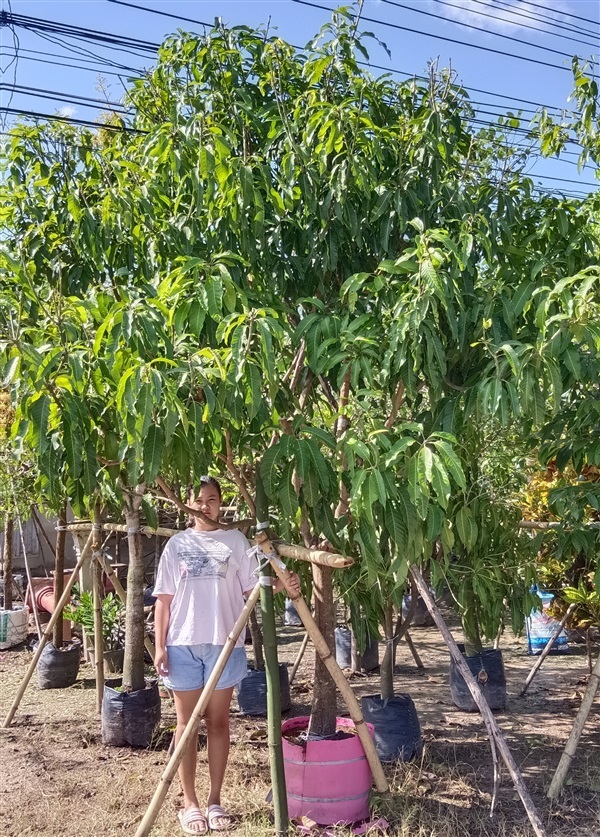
(573, 740)
(192, 726)
(328, 659)
(47, 634)
(547, 649)
(496, 737)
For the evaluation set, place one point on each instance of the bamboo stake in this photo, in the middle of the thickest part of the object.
(192, 726)
(573, 740)
(414, 652)
(547, 649)
(299, 657)
(314, 556)
(47, 633)
(329, 661)
(97, 598)
(496, 737)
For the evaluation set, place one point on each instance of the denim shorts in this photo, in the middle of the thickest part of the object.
(190, 666)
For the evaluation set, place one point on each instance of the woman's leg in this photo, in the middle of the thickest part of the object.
(217, 729)
(185, 703)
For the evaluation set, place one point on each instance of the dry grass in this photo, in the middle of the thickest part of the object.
(58, 780)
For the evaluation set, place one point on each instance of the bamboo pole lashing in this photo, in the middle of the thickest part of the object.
(192, 726)
(573, 740)
(328, 659)
(47, 634)
(496, 737)
(547, 648)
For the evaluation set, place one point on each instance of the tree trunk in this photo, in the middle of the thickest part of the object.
(7, 562)
(133, 664)
(386, 671)
(324, 704)
(257, 642)
(59, 574)
(470, 626)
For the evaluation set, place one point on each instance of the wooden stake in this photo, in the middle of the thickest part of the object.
(547, 649)
(299, 657)
(578, 725)
(333, 668)
(47, 633)
(192, 726)
(98, 594)
(496, 737)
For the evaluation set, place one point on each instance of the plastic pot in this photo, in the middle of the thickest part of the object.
(396, 725)
(13, 626)
(422, 617)
(58, 668)
(290, 615)
(113, 661)
(129, 718)
(252, 692)
(328, 781)
(343, 647)
(488, 670)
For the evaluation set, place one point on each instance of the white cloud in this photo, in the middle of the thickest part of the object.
(66, 111)
(494, 18)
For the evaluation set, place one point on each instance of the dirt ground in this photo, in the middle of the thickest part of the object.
(58, 780)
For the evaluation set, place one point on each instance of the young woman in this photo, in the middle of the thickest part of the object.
(203, 576)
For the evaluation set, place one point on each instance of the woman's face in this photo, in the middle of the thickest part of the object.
(208, 502)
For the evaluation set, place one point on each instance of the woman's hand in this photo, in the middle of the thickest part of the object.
(291, 585)
(161, 662)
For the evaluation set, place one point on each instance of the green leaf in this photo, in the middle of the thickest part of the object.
(451, 462)
(268, 470)
(153, 451)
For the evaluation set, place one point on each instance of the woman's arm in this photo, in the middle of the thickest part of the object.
(162, 614)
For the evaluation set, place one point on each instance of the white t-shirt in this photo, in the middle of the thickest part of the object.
(207, 574)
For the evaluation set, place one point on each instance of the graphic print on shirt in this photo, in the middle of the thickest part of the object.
(205, 561)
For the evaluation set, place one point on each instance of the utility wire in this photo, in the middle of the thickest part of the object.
(71, 120)
(442, 37)
(479, 29)
(157, 12)
(564, 14)
(519, 14)
(70, 98)
(99, 70)
(115, 41)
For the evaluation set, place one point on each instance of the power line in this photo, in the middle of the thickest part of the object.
(70, 98)
(43, 25)
(55, 117)
(509, 9)
(569, 27)
(157, 12)
(479, 29)
(100, 70)
(442, 38)
(564, 14)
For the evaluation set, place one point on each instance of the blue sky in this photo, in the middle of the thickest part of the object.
(474, 60)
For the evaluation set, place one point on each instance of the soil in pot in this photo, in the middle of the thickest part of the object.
(129, 718)
(252, 692)
(488, 670)
(396, 725)
(58, 668)
(328, 781)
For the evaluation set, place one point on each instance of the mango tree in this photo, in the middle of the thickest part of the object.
(291, 266)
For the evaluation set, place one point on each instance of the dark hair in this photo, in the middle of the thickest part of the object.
(205, 480)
